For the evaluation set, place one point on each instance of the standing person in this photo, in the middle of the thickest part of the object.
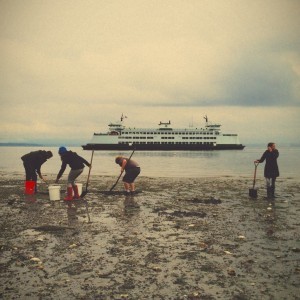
(132, 170)
(32, 164)
(76, 164)
(271, 171)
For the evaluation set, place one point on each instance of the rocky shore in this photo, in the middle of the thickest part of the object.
(175, 239)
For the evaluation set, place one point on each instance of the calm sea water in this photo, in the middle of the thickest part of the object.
(236, 163)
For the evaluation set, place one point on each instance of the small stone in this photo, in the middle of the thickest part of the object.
(231, 272)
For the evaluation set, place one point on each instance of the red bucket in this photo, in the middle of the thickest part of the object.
(29, 187)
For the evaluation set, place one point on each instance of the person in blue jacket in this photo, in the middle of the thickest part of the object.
(76, 164)
(271, 171)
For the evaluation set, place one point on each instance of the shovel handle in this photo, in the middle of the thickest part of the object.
(88, 178)
(255, 168)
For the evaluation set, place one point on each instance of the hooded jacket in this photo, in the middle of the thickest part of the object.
(35, 159)
(72, 159)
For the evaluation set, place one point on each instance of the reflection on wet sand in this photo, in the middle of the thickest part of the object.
(71, 212)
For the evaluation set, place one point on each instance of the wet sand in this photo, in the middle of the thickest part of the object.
(176, 239)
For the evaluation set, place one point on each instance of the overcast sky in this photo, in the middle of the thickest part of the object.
(68, 68)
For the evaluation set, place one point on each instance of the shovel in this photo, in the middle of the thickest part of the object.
(253, 191)
(121, 173)
(88, 179)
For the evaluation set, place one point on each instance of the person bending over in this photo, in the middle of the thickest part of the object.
(32, 164)
(76, 164)
(132, 170)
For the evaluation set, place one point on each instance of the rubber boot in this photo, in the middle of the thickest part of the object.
(269, 192)
(69, 194)
(127, 193)
(76, 195)
(273, 191)
(29, 187)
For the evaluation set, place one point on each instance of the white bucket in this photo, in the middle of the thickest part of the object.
(54, 192)
(79, 186)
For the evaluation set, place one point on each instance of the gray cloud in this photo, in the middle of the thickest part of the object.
(61, 62)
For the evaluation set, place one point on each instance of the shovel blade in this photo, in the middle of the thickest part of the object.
(253, 193)
(83, 193)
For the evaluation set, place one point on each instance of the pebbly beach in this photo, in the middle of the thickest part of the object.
(176, 238)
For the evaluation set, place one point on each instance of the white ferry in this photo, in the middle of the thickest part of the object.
(165, 137)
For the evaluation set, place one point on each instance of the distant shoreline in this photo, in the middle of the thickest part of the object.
(19, 144)
(36, 145)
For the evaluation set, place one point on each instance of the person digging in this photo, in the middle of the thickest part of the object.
(76, 164)
(132, 170)
(32, 164)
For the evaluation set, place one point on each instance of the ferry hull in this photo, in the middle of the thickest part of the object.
(161, 147)
(229, 147)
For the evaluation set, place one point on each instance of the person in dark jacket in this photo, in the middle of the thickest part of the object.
(271, 171)
(32, 163)
(76, 164)
(132, 170)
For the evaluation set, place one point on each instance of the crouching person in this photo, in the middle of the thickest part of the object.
(76, 164)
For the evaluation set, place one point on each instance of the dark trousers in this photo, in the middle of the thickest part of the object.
(271, 186)
(30, 172)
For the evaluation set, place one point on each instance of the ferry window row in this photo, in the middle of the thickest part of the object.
(200, 138)
(173, 133)
(169, 137)
(136, 137)
(177, 143)
(187, 143)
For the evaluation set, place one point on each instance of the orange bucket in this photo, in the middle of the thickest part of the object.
(29, 187)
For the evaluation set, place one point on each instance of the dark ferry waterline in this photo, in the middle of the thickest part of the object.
(164, 138)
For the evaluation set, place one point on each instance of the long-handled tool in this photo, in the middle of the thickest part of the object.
(88, 178)
(121, 173)
(86, 188)
(253, 191)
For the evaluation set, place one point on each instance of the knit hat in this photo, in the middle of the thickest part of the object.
(62, 150)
